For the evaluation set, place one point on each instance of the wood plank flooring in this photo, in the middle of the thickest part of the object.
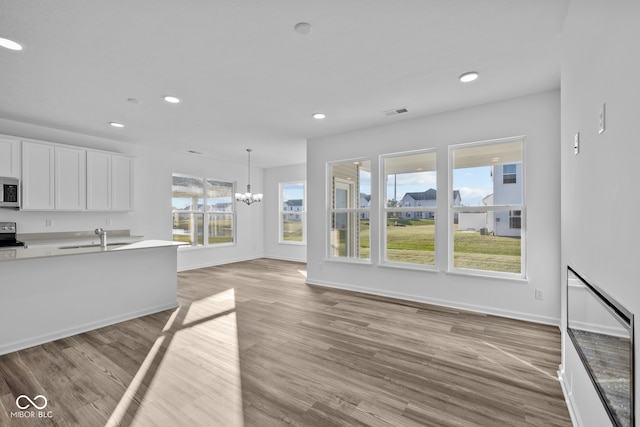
(252, 345)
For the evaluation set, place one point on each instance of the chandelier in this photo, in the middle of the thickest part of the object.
(248, 197)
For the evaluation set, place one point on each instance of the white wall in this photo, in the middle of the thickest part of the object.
(600, 185)
(152, 215)
(538, 117)
(272, 178)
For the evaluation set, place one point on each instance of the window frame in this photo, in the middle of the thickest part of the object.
(405, 212)
(282, 212)
(452, 210)
(330, 211)
(206, 213)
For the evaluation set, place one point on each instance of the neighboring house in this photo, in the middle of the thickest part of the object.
(507, 190)
(365, 202)
(292, 209)
(427, 199)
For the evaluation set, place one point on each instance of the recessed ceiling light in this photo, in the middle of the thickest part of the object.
(319, 116)
(116, 124)
(469, 77)
(171, 99)
(495, 159)
(303, 28)
(10, 44)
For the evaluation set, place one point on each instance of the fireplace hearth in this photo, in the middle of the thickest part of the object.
(601, 330)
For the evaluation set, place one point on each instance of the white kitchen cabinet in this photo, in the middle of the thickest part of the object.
(9, 158)
(121, 183)
(109, 182)
(70, 179)
(98, 181)
(37, 176)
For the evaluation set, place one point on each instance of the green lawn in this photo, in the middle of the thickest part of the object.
(292, 230)
(413, 241)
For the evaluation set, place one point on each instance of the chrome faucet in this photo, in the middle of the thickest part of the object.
(103, 236)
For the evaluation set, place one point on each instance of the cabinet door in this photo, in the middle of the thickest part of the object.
(71, 178)
(37, 176)
(9, 158)
(122, 183)
(98, 181)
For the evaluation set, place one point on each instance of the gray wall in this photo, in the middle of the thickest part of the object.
(538, 117)
(272, 178)
(600, 202)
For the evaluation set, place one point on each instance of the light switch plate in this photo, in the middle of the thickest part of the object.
(601, 121)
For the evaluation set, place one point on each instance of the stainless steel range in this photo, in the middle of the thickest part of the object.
(8, 235)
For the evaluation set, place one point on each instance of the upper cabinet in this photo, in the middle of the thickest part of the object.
(9, 158)
(70, 171)
(37, 176)
(109, 182)
(98, 181)
(61, 177)
(121, 183)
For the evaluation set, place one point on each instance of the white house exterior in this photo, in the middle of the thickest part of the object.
(507, 190)
(427, 199)
(292, 209)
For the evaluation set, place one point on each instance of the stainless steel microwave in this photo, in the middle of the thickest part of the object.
(9, 193)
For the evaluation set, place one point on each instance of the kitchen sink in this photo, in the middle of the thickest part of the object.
(91, 246)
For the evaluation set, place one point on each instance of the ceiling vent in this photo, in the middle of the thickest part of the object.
(395, 111)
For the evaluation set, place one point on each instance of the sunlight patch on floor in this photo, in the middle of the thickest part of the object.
(191, 376)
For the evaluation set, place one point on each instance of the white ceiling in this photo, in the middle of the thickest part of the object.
(248, 80)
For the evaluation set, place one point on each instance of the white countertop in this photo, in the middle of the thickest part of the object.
(66, 249)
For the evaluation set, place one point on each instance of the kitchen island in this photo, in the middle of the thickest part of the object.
(53, 292)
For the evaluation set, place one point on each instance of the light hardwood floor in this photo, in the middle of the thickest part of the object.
(252, 345)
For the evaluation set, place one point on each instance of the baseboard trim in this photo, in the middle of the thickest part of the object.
(568, 398)
(42, 339)
(445, 303)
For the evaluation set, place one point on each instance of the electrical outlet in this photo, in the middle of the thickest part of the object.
(601, 121)
(107, 222)
(539, 294)
(576, 143)
(48, 222)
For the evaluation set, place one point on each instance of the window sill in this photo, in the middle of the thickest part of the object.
(293, 243)
(489, 275)
(408, 266)
(349, 261)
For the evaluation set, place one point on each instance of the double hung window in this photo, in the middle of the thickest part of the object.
(349, 209)
(487, 227)
(292, 212)
(203, 211)
(410, 208)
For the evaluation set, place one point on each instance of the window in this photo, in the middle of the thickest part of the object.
(292, 212)
(409, 211)
(515, 218)
(200, 220)
(349, 209)
(509, 174)
(486, 227)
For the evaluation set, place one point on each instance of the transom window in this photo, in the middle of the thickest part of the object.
(200, 220)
